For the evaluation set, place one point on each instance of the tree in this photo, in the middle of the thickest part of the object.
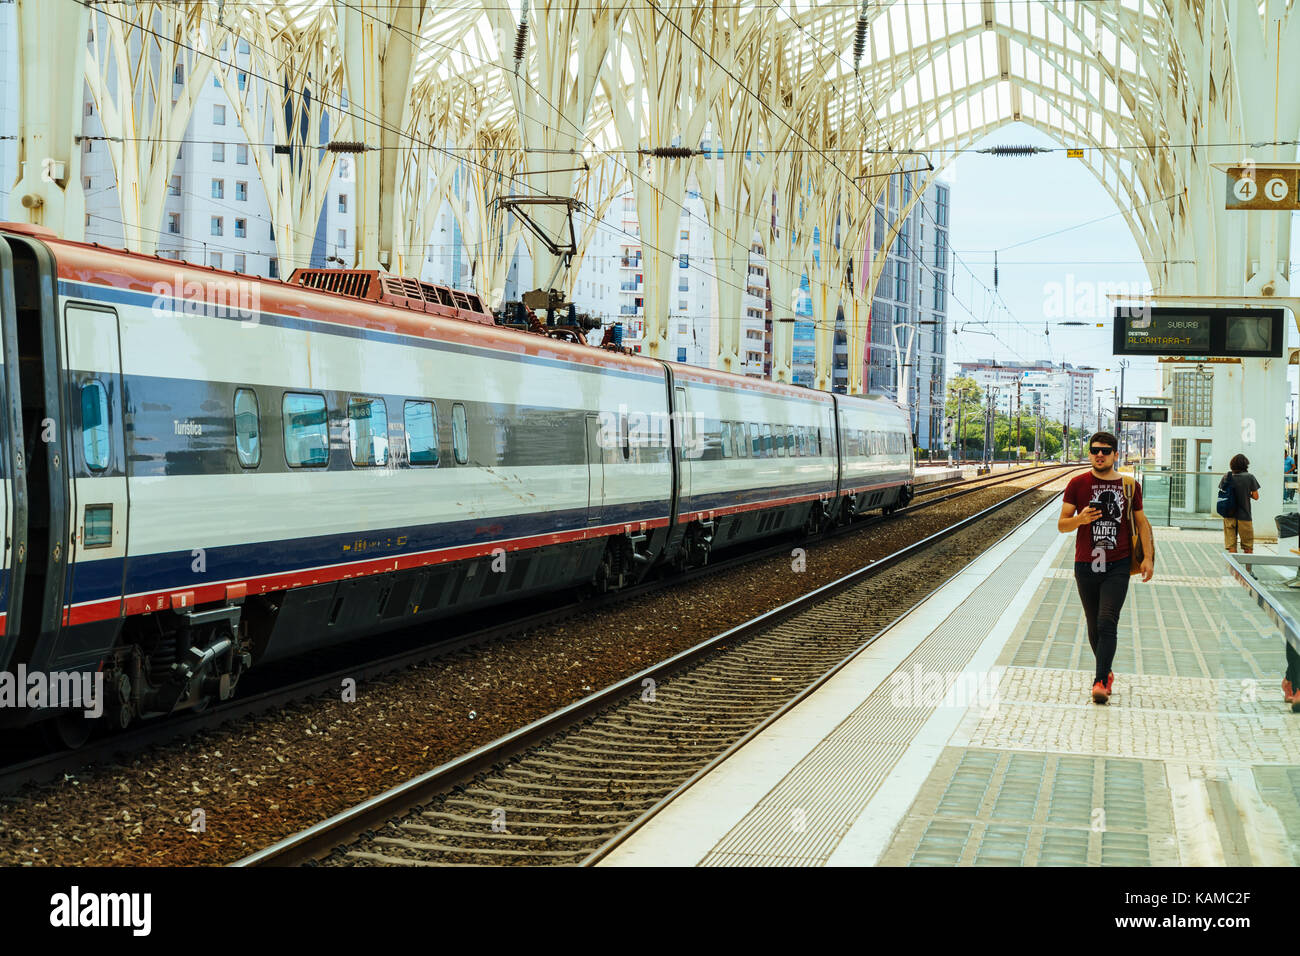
(971, 398)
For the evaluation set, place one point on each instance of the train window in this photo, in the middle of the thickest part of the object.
(724, 438)
(306, 430)
(368, 430)
(94, 425)
(421, 421)
(768, 451)
(755, 443)
(789, 440)
(780, 443)
(742, 445)
(460, 434)
(248, 428)
(627, 436)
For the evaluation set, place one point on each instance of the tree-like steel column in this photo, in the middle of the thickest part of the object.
(133, 60)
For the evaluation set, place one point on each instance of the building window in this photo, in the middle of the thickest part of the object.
(306, 432)
(85, 182)
(681, 354)
(241, 192)
(421, 419)
(218, 114)
(940, 249)
(241, 228)
(681, 307)
(273, 268)
(243, 80)
(248, 440)
(940, 292)
(240, 264)
(174, 223)
(218, 152)
(343, 202)
(343, 237)
(87, 145)
(218, 189)
(214, 260)
(218, 226)
(941, 206)
(94, 426)
(178, 74)
(90, 109)
(686, 233)
(1193, 394)
(684, 261)
(241, 154)
(368, 431)
(175, 186)
(241, 46)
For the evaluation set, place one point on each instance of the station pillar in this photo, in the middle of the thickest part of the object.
(51, 72)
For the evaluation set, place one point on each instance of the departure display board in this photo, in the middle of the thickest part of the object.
(1199, 333)
(1139, 413)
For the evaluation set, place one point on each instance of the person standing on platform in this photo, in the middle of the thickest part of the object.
(1245, 489)
(1096, 506)
(1288, 470)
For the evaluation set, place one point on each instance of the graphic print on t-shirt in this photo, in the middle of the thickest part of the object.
(1105, 530)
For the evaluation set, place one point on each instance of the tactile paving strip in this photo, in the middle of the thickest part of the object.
(992, 808)
(809, 811)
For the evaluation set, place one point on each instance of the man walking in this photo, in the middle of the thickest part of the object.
(1097, 507)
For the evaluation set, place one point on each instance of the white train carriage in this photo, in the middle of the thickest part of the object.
(757, 458)
(876, 465)
(204, 470)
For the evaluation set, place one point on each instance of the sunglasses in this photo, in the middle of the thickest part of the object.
(1100, 450)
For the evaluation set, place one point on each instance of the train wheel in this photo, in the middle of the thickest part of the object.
(67, 731)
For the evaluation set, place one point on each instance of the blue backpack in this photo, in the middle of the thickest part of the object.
(1227, 503)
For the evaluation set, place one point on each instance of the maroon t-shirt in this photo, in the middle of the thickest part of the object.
(1109, 532)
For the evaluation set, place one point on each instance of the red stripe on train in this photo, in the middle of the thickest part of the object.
(161, 600)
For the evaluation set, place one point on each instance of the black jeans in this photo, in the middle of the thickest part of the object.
(1292, 664)
(1103, 594)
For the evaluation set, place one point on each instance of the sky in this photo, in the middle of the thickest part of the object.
(1011, 204)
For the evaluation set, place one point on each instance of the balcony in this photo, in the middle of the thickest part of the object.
(629, 286)
(630, 262)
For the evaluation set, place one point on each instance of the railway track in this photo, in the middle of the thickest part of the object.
(566, 789)
(347, 662)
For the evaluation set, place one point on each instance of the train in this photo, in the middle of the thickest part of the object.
(205, 471)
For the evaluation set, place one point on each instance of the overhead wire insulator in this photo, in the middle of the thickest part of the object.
(521, 38)
(672, 152)
(1014, 150)
(860, 37)
(995, 270)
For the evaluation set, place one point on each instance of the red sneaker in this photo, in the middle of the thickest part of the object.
(1287, 691)
(1110, 683)
(1100, 694)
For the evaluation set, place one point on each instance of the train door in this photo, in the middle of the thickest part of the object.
(595, 471)
(686, 440)
(9, 393)
(97, 469)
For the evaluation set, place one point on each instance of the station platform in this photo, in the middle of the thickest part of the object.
(932, 474)
(966, 734)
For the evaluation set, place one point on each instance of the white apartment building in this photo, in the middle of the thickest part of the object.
(1057, 390)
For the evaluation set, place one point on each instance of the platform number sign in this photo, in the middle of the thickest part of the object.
(1262, 187)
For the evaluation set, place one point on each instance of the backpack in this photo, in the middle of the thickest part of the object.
(1227, 503)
